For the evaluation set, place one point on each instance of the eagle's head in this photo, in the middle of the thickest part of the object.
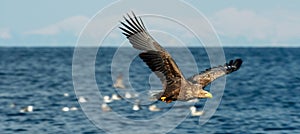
(204, 94)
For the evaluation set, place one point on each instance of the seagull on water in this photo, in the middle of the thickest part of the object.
(194, 111)
(27, 109)
(154, 108)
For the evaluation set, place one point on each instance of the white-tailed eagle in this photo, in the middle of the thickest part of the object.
(175, 85)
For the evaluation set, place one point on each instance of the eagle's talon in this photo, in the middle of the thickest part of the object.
(169, 101)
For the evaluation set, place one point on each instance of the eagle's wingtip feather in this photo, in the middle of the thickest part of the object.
(237, 63)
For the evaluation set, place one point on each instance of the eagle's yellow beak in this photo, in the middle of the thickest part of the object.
(208, 95)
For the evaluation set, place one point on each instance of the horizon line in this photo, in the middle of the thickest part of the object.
(165, 46)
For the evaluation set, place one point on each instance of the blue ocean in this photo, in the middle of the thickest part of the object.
(261, 97)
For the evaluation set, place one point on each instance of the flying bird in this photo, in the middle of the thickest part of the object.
(175, 85)
(119, 82)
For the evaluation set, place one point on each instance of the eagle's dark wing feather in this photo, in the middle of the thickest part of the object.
(164, 66)
(154, 55)
(138, 36)
(166, 69)
(209, 75)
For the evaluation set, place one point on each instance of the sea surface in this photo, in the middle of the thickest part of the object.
(262, 97)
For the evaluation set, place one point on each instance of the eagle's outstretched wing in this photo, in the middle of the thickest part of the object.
(154, 55)
(137, 34)
(209, 75)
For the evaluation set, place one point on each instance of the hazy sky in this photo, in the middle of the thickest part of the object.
(237, 23)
